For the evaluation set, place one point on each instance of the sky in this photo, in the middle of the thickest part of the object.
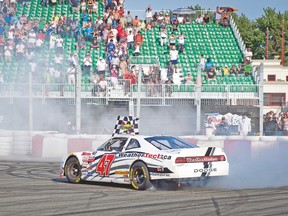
(251, 8)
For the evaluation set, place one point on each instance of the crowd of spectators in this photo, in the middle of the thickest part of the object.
(22, 39)
(275, 124)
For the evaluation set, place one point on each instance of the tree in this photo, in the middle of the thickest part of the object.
(254, 32)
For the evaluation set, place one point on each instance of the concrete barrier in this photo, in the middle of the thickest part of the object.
(55, 145)
(21, 143)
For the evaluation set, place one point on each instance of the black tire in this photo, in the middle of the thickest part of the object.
(73, 170)
(139, 176)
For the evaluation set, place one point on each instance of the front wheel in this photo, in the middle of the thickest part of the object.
(139, 176)
(73, 170)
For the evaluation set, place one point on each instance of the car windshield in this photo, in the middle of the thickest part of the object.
(169, 142)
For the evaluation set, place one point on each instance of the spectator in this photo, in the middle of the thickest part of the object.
(94, 44)
(225, 70)
(59, 44)
(189, 79)
(94, 81)
(248, 69)
(87, 63)
(170, 70)
(210, 127)
(114, 77)
(163, 37)
(123, 67)
(199, 20)
(130, 40)
(71, 71)
(174, 58)
(211, 74)
(139, 39)
(244, 126)
(208, 64)
(222, 128)
(225, 19)
(248, 55)
(202, 62)
(149, 14)
(181, 41)
(101, 67)
(74, 4)
(135, 21)
(137, 50)
(129, 18)
(234, 70)
(172, 41)
(52, 41)
(110, 47)
(81, 44)
(58, 60)
(180, 19)
(217, 14)
(175, 25)
(168, 87)
(20, 51)
(206, 19)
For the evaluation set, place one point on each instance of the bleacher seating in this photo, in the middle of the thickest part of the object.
(211, 40)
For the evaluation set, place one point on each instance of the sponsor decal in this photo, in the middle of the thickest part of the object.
(147, 155)
(86, 154)
(90, 160)
(126, 180)
(160, 174)
(204, 170)
(121, 172)
(84, 164)
(89, 173)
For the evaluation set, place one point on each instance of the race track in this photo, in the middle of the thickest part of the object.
(33, 188)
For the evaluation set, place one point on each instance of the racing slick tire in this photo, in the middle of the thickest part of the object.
(139, 176)
(73, 170)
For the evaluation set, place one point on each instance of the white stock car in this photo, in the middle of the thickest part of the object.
(140, 160)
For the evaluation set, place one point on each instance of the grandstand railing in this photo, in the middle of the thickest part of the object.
(147, 60)
(142, 13)
(237, 35)
(123, 90)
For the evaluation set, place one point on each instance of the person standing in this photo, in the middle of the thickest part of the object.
(87, 63)
(210, 127)
(244, 126)
(174, 58)
(101, 66)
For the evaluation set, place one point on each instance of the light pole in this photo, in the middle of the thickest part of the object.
(283, 44)
(267, 43)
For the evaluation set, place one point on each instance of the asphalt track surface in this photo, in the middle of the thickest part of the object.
(33, 188)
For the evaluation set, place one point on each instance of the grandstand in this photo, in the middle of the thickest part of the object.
(226, 93)
(211, 40)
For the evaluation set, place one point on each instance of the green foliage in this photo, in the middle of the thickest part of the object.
(254, 32)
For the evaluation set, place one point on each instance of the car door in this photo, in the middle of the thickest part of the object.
(106, 161)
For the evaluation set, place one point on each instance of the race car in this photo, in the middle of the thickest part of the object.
(142, 160)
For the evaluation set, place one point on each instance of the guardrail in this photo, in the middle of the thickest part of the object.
(122, 89)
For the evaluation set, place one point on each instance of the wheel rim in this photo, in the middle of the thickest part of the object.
(74, 170)
(138, 176)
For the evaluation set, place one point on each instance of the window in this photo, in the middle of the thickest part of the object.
(286, 78)
(274, 99)
(168, 142)
(271, 78)
(133, 143)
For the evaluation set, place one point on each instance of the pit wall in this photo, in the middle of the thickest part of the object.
(57, 146)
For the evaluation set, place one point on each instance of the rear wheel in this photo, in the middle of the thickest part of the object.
(73, 170)
(139, 176)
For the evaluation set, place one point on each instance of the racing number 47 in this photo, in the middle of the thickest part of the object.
(103, 167)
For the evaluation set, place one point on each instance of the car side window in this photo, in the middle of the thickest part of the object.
(133, 143)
